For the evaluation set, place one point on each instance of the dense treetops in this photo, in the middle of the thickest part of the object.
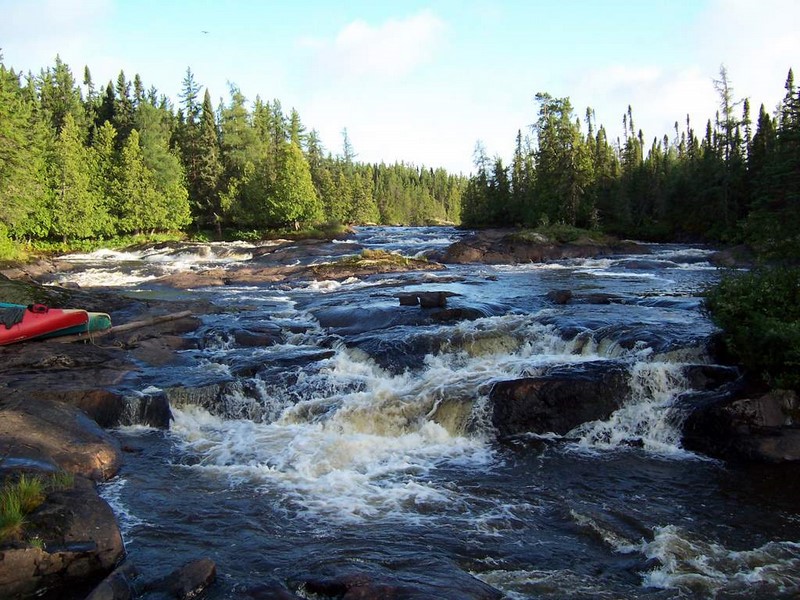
(737, 181)
(77, 162)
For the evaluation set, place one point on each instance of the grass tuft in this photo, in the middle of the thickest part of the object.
(12, 517)
(30, 491)
(62, 480)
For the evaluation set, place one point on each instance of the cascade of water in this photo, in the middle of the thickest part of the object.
(645, 418)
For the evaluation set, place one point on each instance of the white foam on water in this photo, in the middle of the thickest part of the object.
(113, 268)
(352, 441)
(707, 567)
(111, 492)
(524, 584)
(339, 469)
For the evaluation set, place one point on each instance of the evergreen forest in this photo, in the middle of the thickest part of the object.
(82, 162)
(737, 179)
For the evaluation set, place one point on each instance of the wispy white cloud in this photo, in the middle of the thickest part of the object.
(33, 32)
(756, 42)
(388, 50)
(658, 97)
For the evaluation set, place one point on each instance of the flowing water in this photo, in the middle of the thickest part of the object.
(362, 441)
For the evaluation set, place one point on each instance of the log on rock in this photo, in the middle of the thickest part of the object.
(125, 327)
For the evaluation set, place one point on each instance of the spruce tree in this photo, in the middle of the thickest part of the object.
(76, 211)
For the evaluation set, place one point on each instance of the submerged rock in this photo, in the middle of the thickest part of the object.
(376, 583)
(118, 585)
(188, 581)
(559, 401)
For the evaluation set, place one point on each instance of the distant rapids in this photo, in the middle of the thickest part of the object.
(360, 438)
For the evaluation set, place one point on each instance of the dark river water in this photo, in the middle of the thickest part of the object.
(361, 442)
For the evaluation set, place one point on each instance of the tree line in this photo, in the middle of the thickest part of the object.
(81, 162)
(735, 181)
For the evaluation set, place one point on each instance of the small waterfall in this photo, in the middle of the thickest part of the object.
(645, 420)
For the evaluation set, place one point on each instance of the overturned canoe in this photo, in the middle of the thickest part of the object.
(19, 323)
(97, 322)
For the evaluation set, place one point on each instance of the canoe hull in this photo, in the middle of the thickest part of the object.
(97, 322)
(41, 322)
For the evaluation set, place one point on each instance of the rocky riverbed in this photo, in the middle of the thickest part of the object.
(56, 401)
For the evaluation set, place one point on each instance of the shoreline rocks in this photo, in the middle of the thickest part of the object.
(80, 541)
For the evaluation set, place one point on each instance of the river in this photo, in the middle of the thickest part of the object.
(361, 441)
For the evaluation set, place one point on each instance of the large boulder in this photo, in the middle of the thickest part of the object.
(560, 400)
(186, 582)
(763, 428)
(80, 540)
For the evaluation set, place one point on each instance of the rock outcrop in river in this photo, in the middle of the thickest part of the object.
(508, 246)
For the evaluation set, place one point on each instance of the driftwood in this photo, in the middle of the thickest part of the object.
(67, 339)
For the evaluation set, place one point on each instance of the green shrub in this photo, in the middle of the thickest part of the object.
(759, 313)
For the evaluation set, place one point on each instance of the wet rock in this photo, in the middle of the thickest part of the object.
(408, 299)
(709, 377)
(188, 581)
(425, 299)
(736, 257)
(59, 434)
(265, 336)
(44, 367)
(559, 401)
(80, 538)
(600, 298)
(195, 279)
(118, 585)
(764, 428)
(449, 315)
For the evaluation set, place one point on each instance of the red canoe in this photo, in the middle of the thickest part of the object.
(37, 320)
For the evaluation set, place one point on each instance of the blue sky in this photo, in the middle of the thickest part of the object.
(422, 81)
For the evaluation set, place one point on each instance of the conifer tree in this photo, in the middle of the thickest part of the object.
(137, 201)
(76, 212)
(293, 199)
